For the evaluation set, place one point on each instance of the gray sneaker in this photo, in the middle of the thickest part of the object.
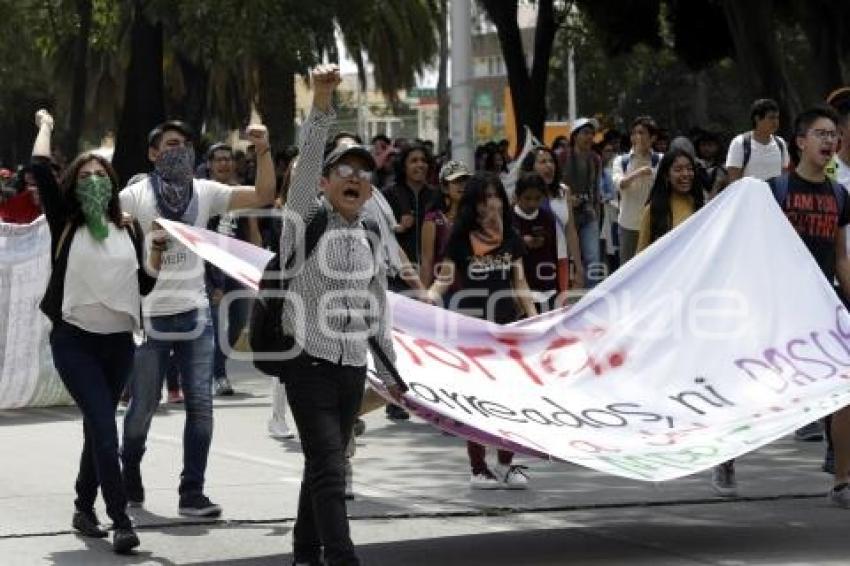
(840, 496)
(723, 480)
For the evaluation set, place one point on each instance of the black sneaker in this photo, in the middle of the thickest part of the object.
(359, 427)
(198, 505)
(86, 524)
(223, 387)
(133, 486)
(124, 539)
(396, 413)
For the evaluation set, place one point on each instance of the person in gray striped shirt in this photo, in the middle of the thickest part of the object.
(338, 299)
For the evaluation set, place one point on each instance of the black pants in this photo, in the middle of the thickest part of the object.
(94, 369)
(324, 398)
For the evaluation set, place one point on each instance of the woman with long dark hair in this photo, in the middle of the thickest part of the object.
(484, 263)
(438, 223)
(675, 195)
(411, 197)
(543, 161)
(93, 299)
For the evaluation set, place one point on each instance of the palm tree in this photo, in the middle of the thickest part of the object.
(399, 38)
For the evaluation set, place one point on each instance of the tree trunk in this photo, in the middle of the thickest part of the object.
(544, 37)
(77, 114)
(699, 102)
(503, 14)
(144, 101)
(442, 87)
(824, 25)
(276, 100)
(193, 107)
(528, 92)
(761, 66)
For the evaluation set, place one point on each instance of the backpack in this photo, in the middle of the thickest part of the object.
(747, 145)
(779, 187)
(266, 337)
(655, 158)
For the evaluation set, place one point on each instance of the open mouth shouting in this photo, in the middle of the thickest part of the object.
(351, 194)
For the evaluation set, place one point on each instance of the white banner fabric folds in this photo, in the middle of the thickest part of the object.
(721, 337)
(27, 376)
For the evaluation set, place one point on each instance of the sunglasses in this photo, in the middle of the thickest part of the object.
(345, 171)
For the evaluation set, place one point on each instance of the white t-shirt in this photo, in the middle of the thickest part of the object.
(766, 161)
(102, 283)
(633, 198)
(180, 285)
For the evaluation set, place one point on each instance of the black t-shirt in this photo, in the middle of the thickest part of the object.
(491, 276)
(540, 264)
(813, 210)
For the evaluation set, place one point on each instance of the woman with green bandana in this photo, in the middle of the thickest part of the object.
(93, 299)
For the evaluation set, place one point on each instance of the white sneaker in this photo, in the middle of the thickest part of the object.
(279, 429)
(511, 476)
(840, 497)
(484, 480)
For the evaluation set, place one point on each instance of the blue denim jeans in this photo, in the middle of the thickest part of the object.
(233, 320)
(588, 236)
(94, 369)
(190, 335)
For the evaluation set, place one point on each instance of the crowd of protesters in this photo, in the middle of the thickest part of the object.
(526, 228)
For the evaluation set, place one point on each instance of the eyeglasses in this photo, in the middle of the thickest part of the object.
(345, 171)
(825, 135)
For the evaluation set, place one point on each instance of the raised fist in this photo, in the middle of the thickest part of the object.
(259, 136)
(325, 78)
(43, 117)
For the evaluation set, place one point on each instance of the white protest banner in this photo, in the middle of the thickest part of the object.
(242, 261)
(27, 376)
(718, 339)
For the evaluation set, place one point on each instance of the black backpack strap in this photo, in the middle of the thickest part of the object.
(779, 187)
(747, 146)
(374, 233)
(312, 234)
(655, 159)
(840, 196)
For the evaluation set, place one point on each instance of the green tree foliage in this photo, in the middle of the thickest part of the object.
(770, 41)
(216, 58)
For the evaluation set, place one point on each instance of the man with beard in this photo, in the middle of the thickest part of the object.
(177, 313)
